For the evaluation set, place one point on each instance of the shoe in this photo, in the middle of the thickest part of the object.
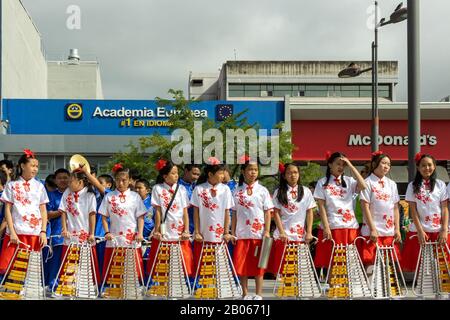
(257, 297)
(248, 297)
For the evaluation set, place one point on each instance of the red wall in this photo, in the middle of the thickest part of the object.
(314, 137)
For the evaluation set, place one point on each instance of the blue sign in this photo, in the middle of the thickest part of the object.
(123, 117)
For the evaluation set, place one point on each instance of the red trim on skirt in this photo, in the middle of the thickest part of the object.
(94, 257)
(411, 248)
(187, 255)
(276, 255)
(323, 249)
(7, 252)
(367, 250)
(244, 259)
(107, 258)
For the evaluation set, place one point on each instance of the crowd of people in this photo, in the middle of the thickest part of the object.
(197, 204)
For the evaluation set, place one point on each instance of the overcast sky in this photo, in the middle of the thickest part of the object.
(146, 47)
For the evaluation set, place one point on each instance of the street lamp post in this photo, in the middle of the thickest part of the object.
(354, 70)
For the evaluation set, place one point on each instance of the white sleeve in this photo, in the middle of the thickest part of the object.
(395, 196)
(410, 193)
(184, 198)
(195, 201)
(366, 193)
(229, 203)
(141, 209)
(44, 197)
(156, 202)
(92, 203)
(444, 194)
(103, 210)
(319, 191)
(268, 203)
(276, 203)
(8, 195)
(353, 185)
(309, 199)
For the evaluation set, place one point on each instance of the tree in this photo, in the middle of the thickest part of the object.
(153, 147)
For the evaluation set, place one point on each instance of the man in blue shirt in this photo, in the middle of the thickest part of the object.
(191, 174)
(52, 263)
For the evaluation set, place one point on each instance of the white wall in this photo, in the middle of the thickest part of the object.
(24, 66)
(81, 81)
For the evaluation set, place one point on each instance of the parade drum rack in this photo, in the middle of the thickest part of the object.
(123, 277)
(346, 276)
(431, 278)
(24, 277)
(297, 276)
(168, 277)
(77, 278)
(216, 277)
(386, 283)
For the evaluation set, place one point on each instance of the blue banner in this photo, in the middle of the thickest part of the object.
(122, 117)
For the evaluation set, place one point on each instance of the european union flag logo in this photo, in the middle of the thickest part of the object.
(223, 111)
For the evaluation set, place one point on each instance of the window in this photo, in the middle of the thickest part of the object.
(197, 82)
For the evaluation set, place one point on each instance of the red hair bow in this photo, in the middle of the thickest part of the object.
(116, 167)
(327, 155)
(281, 167)
(213, 161)
(245, 158)
(28, 153)
(160, 164)
(377, 153)
(418, 156)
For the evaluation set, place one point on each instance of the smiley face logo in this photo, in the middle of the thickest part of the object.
(74, 111)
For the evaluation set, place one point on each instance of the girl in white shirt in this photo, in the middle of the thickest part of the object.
(126, 212)
(25, 210)
(293, 214)
(78, 208)
(171, 225)
(250, 223)
(335, 194)
(379, 203)
(427, 198)
(212, 201)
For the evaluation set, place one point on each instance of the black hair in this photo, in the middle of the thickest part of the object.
(24, 159)
(418, 178)
(79, 175)
(50, 181)
(243, 167)
(3, 178)
(62, 170)
(134, 174)
(209, 168)
(328, 174)
(312, 184)
(107, 178)
(144, 182)
(189, 167)
(376, 159)
(165, 170)
(284, 186)
(94, 169)
(8, 163)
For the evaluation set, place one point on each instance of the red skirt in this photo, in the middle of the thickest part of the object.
(94, 257)
(367, 250)
(139, 262)
(411, 248)
(187, 255)
(323, 249)
(9, 250)
(244, 259)
(276, 256)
